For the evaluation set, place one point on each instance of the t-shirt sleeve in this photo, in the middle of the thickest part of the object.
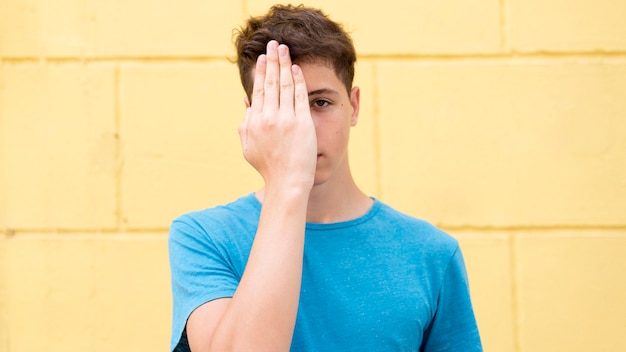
(199, 272)
(453, 327)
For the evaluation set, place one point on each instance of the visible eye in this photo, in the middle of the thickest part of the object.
(320, 103)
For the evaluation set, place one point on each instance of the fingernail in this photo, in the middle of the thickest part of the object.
(282, 50)
(271, 45)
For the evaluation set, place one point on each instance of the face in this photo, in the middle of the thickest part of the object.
(334, 112)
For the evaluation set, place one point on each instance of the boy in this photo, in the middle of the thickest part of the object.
(309, 262)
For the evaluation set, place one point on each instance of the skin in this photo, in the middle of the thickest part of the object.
(295, 134)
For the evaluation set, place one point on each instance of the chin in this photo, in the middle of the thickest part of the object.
(320, 179)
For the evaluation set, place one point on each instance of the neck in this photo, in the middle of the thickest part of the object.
(330, 204)
(334, 201)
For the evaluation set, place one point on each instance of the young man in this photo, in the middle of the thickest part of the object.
(309, 262)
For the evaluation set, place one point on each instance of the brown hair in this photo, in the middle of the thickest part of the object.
(310, 35)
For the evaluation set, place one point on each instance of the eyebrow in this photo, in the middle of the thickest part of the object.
(323, 91)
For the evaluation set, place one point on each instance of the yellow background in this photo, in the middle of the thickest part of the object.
(501, 121)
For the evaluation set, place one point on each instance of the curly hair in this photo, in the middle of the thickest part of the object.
(311, 36)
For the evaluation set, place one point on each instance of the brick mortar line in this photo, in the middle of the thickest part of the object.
(545, 228)
(84, 236)
(516, 309)
(118, 59)
(504, 28)
(500, 57)
(367, 57)
(378, 161)
(245, 9)
(119, 153)
(10, 232)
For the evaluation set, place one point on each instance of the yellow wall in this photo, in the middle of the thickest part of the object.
(502, 121)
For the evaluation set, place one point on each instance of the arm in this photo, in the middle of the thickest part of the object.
(278, 140)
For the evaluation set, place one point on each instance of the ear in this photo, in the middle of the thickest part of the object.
(246, 101)
(355, 102)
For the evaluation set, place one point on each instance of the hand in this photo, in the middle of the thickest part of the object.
(278, 136)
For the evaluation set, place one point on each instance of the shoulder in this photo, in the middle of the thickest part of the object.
(217, 220)
(415, 228)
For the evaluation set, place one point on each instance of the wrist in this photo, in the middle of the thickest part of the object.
(294, 185)
(286, 193)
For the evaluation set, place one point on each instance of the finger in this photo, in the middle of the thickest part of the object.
(286, 79)
(301, 96)
(258, 90)
(270, 102)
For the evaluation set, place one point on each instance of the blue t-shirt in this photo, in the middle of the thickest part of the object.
(382, 282)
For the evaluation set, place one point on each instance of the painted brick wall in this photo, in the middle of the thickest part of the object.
(501, 121)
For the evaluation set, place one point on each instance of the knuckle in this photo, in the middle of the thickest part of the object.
(258, 92)
(270, 82)
(267, 121)
(301, 96)
(286, 85)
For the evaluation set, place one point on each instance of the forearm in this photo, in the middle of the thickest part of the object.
(261, 316)
(278, 139)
